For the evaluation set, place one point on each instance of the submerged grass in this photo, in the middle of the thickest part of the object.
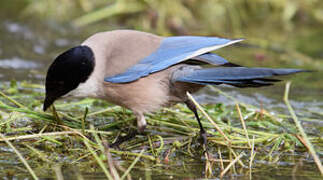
(241, 138)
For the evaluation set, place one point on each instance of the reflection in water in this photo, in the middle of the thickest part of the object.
(26, 49)
(17, 63)
(18, 29)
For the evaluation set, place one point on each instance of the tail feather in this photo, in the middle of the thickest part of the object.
(235, 76)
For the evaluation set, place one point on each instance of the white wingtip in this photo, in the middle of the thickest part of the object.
(212, 48)
(233, 41)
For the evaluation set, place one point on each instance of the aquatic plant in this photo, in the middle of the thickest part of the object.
(74, 135)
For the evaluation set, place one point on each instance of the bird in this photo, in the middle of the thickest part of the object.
(144, 72)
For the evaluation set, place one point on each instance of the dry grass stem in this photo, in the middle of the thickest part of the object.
(132, 164)
(38, 135)
(22, 159)
(231, 164)
(243, 124)
(307, 144)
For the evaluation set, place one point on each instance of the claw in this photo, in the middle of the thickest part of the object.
(122, 139)
(203, 136)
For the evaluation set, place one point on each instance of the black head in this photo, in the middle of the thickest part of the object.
(68, 70)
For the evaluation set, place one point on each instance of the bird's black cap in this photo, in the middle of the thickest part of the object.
(68, 70)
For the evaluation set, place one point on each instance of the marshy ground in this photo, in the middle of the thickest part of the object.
(259, 138)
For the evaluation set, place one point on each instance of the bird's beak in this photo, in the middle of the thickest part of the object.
(48, 102)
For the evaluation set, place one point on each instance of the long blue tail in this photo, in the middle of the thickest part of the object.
(235, 76)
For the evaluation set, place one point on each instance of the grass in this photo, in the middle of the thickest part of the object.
(306, 142)
(22, 159)
(231, 16)
(243, 138)
(240, 137)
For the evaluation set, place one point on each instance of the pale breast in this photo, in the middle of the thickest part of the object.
(144, 95)
(150, 93)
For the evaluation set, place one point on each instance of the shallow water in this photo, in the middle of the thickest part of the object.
(27, 48)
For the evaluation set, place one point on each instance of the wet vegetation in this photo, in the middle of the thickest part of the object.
(73, 140)
(246, 139)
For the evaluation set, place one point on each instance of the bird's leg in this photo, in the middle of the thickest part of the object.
(141, 124)
(203, 134)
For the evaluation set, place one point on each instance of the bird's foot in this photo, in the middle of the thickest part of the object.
(122, 139)
(203, 140)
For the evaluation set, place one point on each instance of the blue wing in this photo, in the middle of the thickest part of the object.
(173, 50)
(214, 59)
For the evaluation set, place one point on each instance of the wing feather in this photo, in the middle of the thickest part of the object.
(173, 50)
